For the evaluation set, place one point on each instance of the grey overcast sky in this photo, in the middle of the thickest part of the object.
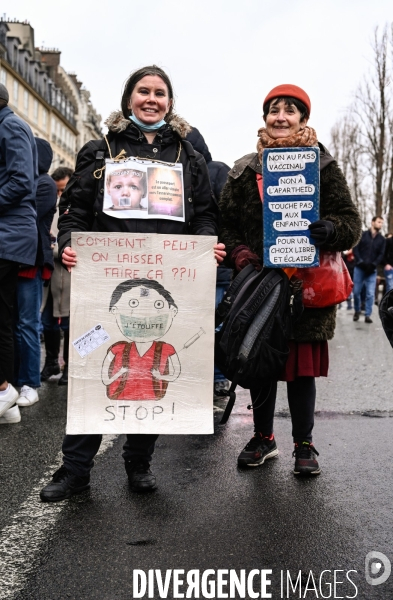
(223, 56)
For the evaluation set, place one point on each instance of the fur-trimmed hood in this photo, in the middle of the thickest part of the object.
(116, 122)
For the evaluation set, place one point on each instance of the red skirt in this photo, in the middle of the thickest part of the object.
(306, 359)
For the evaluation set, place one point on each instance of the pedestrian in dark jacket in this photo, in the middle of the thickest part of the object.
(369, 254)
(146, 128)
(56, 301)
(218, 173)
(286, 110)
(30, 282)
(18, 229)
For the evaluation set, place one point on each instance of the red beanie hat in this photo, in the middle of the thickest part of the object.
(287, 89)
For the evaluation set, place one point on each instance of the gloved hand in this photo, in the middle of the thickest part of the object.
(243, 256)
(362, 265)
(322, 232)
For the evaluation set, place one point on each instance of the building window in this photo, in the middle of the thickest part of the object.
(35, 111)
(3, 77)
(26, 101)
(16, 91)
(44, 118)
(53, 129)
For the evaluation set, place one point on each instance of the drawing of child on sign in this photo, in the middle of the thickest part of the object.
(126, 188)
(142, 368)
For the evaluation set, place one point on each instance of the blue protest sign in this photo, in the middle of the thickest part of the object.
(290, 204)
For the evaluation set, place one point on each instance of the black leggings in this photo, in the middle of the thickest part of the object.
(301, 400)
(8, 283)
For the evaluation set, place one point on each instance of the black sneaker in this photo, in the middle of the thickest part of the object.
(50, 368)
(64, 485)
(258, 450)
(306, 459)
(356, 316)
(368, 320)
(140, 477)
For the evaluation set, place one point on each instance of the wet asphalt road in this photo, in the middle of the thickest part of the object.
(207, 514)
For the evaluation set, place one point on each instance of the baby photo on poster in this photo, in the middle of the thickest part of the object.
(142, 189)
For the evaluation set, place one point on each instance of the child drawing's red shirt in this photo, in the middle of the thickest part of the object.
(138, 382)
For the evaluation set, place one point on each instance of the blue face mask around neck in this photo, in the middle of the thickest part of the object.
(145, 127)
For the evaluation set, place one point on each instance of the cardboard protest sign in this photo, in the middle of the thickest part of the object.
(142, 334)
(290, 204)
(142, 189)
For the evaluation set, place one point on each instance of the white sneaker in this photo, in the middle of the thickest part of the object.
(12, 415)
(27, 396)
(8, 399)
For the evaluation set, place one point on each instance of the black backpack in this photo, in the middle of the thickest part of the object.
(256, 317)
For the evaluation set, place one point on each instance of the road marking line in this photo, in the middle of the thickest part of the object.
(21, 542)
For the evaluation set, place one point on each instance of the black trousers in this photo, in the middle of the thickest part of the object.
(79, 450)
(301, 400)
(8, 282)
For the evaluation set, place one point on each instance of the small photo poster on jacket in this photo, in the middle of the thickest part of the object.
(290, 203)
(141, 334)
(142, 189)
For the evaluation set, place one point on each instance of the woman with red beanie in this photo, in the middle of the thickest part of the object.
(286, 111)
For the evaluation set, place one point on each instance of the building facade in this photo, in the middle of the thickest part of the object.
(53, 102)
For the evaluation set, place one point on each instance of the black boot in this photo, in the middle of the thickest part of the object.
(64, 485)
(140, 477)
(64, 378)
(52, 348)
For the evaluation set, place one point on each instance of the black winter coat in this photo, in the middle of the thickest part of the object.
(370, 250)
(45, 199)
(242, 216)
(18, 184)
(82, 200)
(218, 173)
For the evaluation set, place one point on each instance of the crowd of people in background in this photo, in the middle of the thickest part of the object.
(36, 258)
(370, 265)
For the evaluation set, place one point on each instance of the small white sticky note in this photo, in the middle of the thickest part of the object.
(89, 341)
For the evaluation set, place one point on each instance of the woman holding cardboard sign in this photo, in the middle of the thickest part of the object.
(286, 110)
(144, 177)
